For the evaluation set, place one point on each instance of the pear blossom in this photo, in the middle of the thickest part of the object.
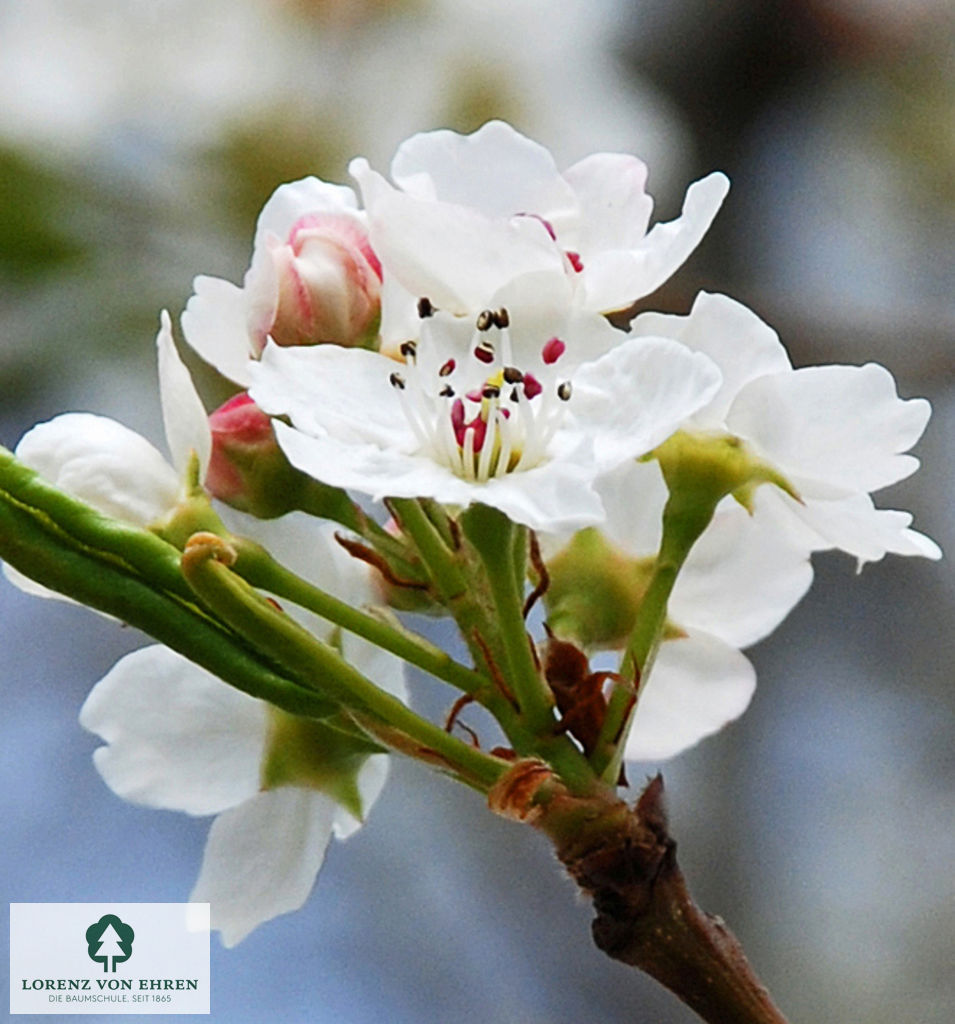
(464, 421)
(740, 580)
(468, 214)
(178, 738)
(313, 279)
(835, 433)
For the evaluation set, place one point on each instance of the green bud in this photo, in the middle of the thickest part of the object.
(595, 591)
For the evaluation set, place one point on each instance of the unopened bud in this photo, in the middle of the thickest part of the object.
(247, 469)
(595, 591)
(327, 286)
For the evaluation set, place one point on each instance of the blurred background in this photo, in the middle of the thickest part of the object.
(138, 140)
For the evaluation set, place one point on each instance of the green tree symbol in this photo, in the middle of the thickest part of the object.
(109, 941)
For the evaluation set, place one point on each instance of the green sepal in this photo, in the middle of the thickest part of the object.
(326, 756)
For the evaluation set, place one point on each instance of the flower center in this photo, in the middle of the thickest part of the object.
(480, 415)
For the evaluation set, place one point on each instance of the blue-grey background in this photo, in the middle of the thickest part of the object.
(138, 139)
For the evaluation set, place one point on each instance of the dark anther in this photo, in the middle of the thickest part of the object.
(409, 349)
(512, 375)
(447, 391)
(564, 390)
(397, 381)
(491, 392)
(425, 309)
(447, 368)
(515, 397)
(485, 320)
(501, 318)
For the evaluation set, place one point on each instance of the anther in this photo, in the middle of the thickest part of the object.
(447, 391)
(512, 375)
(484, 351)
(447, 369)
(564, 390)
(490, 391)
(397, 381)
(425, 309)
(552, 351)
(485, 320)
(409, 349)
(501, 318)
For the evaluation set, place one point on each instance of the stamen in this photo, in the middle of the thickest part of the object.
(485, 320)
(501, 318)
(409, 349)
(564, 391)
(447, 369)
(425, 309)
(447, 391)
(532, 386)
(512, 375)
(484, 351)
(397, 381)
(552, 351)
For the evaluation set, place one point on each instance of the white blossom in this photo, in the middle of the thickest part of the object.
(468, 214)
(835, 433)
(463, 420)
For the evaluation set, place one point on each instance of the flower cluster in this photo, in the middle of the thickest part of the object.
(443, 346)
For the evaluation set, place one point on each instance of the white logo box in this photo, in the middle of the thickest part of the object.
(109, 958)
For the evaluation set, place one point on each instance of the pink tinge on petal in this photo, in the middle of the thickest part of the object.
(547, 224)
(552, 351)
(335, 225)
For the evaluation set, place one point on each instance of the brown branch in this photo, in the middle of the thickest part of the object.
(625, 860)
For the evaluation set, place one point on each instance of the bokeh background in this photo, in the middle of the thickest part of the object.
(139, 138)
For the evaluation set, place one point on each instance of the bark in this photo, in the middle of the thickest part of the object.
(625, 860)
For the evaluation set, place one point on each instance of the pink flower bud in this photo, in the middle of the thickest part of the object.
(326, 287)
(243, 444)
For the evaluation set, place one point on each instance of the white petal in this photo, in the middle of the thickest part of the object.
(634, 495)
(368, 468)
(215, 325)
(455, 255)
(262, 858)
(496, 170)
(698, 684)
(853, 525)
(734, 337)
(614, 279)
(176, 736)
(344, 391)
(292, 201)
(831, 429)
(183, 414)
(104, 464)
(635, 396)
(742, 578)
(615, 208)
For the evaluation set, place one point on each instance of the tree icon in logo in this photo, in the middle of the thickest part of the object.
(109, 941)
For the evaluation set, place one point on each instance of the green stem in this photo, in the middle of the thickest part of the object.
(686, 515)
(38, 536)
(386, 717)
(438, 558)
(502, 545)
(261, 570)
